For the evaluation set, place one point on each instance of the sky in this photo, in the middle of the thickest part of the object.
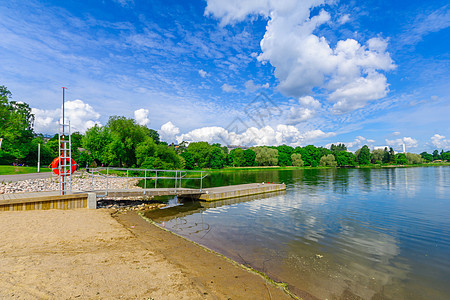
(237, 72)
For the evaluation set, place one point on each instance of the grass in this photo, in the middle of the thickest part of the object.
(12, 170)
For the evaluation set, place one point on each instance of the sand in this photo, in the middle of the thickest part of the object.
(88, 254)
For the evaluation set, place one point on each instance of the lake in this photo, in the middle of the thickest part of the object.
(334, 233)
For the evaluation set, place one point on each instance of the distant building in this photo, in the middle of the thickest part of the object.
(231, 147)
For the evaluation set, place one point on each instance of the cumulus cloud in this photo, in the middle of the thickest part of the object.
(169, 131)
(252, 136)
(251, 86)
(228, 88)
(440, 142)
(351, 72)
(202, 73)
(80, 115)
(304, 110)
(398, 143)
(141, 116)
(309, 101)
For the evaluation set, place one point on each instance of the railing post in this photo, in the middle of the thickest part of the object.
(201, 181)
(156, 178)
(107, 180)
(145, 181)
(176, 181)
(127, 179)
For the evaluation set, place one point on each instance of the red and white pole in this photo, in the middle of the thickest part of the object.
(63, 173)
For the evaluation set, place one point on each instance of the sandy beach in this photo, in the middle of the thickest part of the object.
(89, 254)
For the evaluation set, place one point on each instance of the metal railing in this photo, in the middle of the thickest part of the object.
(110, 173)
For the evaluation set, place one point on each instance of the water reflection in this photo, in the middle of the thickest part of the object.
(336, 234)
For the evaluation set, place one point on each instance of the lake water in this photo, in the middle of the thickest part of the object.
(334, 233)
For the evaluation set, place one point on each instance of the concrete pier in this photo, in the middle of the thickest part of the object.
(241, 190)
(52, 200)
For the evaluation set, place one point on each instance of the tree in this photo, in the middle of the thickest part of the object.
(284, 159)
(363, 156)
(426, 156)
(328, 160)
(377, 156)
(436, 155)
(237, 157)
(201, 152)
(16, 127)
(338, 148)
(284, 155)
(154, 135)
(249, 158)
(266, 156)
(297, 160)
(344, 158)
(414, 158)
(189, 162)
(401, 159)
(311, 155)
(217, 158)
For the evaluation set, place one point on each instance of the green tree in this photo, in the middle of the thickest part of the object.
(426, 156)
(401, 159)
(238, 157)
(436, 155)
(311, 155)
(249, 158)
(413, 158)
(284, 155)
(377, 156)
(328, 160)
(344, 158)
(189, 160)
(201, 152)
(217, 158)
(154, 135)
(363, 156)
(297, 160)
(338, 148)
(16, 127)
(266, 156)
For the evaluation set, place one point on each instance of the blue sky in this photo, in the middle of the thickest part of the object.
(237, 72)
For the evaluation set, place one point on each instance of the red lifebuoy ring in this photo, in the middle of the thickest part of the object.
(55, 165)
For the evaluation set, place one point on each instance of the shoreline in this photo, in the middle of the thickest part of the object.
(96, 254)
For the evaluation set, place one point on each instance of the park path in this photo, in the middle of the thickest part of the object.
(20, 177)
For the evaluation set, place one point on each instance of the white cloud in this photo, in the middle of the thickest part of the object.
(398, 143)
(141, 116)
(309, 101)
(282, 134)
(303, 60)
(297, 115)
(396, 133)
(251, 86)
(356, 94)
(357, 143)
(440, 142)
(228, 88)
(344, 19)
(202, 73)
(168, 132)
(80, 115)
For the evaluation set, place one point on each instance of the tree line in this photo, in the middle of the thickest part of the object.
(124, 143)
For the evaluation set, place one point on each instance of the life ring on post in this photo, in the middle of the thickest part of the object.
(55, 165)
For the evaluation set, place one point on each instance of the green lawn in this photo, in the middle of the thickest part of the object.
(11, 170)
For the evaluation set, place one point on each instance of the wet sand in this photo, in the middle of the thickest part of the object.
(88, 254)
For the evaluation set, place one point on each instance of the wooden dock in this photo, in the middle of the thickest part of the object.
(82, 199)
